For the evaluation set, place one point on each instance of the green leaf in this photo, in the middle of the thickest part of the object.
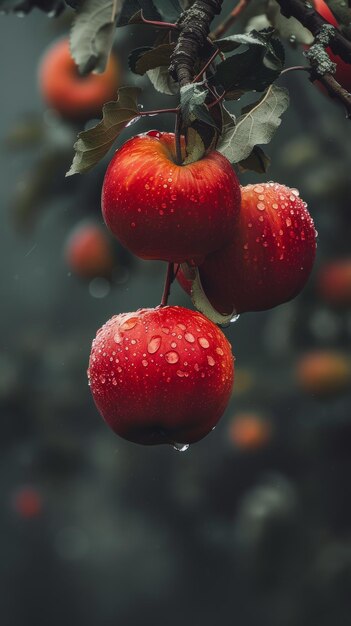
(92, 33)
(228, 44)
(251, 70)
(288, 28)
(194, 146)
(135, 55)
(257, 161)
(153, 58)
(162, 81)
(131, 7)
(192, 102)
(256, 126)
(93, 144)
(199, 298)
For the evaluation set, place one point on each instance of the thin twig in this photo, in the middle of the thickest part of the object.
(229, 21)
(157, 24)
(296, 68)
(168, 281)
(157, 112)
(201, 73)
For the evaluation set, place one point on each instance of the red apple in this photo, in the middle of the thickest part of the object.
(161, 375)
(161, 210)
(69, 93)
(270, 256)
(323, 372)
(343, 70)
(249, 431)
(88, 251)
(334, 283)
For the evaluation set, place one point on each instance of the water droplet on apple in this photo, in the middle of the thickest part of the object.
(172, 357)
(189, 337)
(203, 342)
(180, 373)
(154, 344)
(129, 324)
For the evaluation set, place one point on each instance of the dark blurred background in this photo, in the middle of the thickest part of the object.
(249, 526)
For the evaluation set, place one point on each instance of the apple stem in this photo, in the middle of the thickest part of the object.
(169, 280)
(179, 159)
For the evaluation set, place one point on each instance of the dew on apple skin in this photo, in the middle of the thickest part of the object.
(189, 338)
(180, 447)
(203, 342)
(154, 344)
(211, 361)
(172, 357)
(129, 324)
(181, 374)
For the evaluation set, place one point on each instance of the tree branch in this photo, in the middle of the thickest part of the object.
(337, 91)
(312, 20)
(194, 27)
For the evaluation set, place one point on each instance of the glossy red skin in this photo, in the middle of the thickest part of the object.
(160, 210)
(152, 380)
(88, 253)
(271, 255)
(334, 283)
(343, 70)
(72, 95)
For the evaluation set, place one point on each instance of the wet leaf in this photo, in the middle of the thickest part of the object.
(93, 144)
(162, 81)
(256, 126)
(152, 58)
(253, 69)
(194, 146)
(199, 298)
(131, 7)
(192, 102)
(257, 161)
(92, 33)
(288, 28)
